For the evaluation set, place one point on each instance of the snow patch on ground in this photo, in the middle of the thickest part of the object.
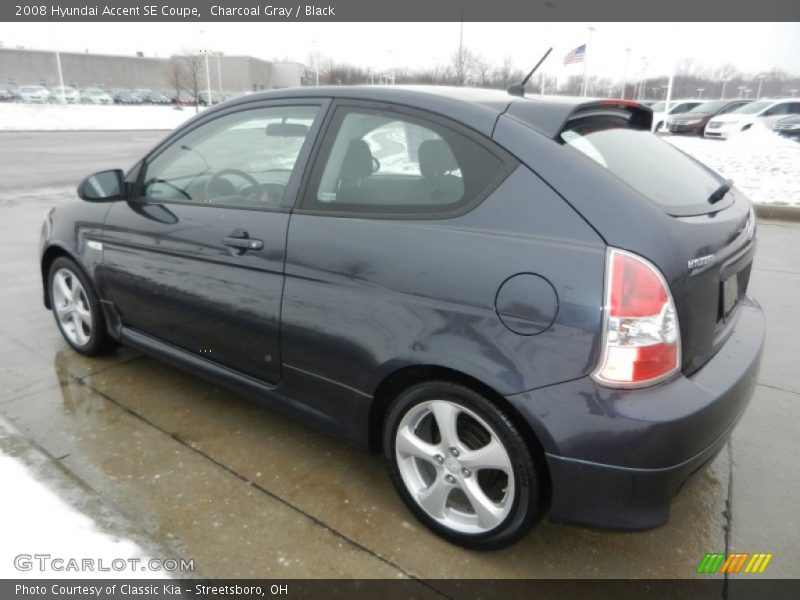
(764, 165)
(41, 517)
(84, 117)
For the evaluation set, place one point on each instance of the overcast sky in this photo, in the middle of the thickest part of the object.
(752, 47)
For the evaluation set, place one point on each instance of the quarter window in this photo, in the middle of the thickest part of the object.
(242, 159)
(378, 161)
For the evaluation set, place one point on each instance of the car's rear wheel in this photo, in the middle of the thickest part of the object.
(77, 309)
(461, 466)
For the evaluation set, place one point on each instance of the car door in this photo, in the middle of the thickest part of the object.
(196, 257)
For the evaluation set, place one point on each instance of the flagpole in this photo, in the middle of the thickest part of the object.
(586, 60)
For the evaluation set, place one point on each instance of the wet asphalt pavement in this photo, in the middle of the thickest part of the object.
(208, 475)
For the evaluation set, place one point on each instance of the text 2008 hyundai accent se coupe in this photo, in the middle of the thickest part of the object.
(526, 304)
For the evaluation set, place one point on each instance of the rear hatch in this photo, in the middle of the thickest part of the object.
(710, 224)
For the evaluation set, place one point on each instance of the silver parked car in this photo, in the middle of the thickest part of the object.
(33, 94)
(96, 96)
(65, 95)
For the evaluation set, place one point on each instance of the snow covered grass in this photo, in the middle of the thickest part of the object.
(762, 164)
(55, 117)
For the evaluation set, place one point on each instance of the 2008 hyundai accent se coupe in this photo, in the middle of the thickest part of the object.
(527, 304)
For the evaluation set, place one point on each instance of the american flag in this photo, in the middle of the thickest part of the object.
(575, 55)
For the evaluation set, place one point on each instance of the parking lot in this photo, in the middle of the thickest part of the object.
(245, 492)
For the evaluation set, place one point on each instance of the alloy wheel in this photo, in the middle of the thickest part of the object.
(72, 307)
(454, 466)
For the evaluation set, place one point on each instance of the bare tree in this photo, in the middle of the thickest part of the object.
(504, 74)
(482, 70)
(191, 67)
(176, 77)
(462, 65)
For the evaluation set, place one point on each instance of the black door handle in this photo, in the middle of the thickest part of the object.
(242, 241)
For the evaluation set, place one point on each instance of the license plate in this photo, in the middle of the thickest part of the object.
(730, 294)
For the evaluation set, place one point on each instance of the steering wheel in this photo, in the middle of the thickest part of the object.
(254, 192)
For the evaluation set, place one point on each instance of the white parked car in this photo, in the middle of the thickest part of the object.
(675, 107)
(96, 96)
(37, 94)
(65, 94)
(764, 112)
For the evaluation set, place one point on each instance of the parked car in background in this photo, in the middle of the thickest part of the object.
(206, 99)
(675, 107)
(183, 99)
(7, 95)
(459, 287)
(127, 98)
(763, 112)
(9, 88)
(154, 97)
(96, 96)
(694, 121)
(33, 94)
(65, 95)
(788, 127)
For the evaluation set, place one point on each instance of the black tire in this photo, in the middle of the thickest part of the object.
(99, 341)
(530, 489)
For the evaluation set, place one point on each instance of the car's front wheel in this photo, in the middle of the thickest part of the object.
(77, 309)
(462, 467)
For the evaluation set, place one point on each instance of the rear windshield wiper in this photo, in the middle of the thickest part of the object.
(719, 193)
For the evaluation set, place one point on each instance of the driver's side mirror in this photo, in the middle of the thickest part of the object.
(105, 186)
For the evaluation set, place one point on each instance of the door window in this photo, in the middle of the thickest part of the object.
(242, 159)
(378, 161)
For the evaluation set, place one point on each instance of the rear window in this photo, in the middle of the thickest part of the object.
(654, 168)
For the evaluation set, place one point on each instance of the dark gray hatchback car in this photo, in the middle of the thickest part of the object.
(529, 305)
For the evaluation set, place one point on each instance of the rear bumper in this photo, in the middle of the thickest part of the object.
(618, 457)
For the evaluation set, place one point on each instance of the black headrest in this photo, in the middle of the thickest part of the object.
(357, 162)
(436, 158)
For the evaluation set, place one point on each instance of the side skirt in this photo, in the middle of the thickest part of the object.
(345, 413)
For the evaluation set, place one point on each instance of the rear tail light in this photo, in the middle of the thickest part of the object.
(641, 339)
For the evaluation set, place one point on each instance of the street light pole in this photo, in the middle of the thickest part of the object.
(724, 83)
(60, 78)
(208, 72)
(586, 60)
(760, 82)
(700, 93)
(625, 72)
(219, 72)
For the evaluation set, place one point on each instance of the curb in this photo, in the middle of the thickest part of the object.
(777, 211)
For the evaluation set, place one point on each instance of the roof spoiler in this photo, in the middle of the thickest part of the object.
(549, 117)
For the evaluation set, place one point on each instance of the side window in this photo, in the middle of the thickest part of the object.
(779, 109)
(794, 108)
(730, 108)
(378, 161)
(243, 159)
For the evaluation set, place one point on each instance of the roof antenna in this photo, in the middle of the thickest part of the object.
(518, 89)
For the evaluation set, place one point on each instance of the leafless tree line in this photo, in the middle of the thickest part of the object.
(466, 68)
